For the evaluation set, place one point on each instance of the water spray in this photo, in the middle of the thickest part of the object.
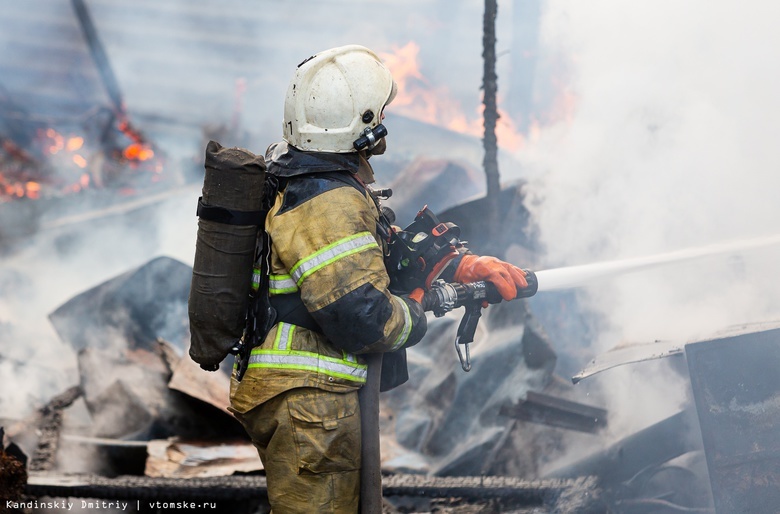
(443, 297)
(577, 276)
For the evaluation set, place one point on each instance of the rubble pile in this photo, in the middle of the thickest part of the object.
(130, 334)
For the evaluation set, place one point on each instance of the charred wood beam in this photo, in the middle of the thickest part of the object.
(134, 487)
(49, 427)
(556, 412)
(490, 88)
(107, 75)
(580, 495)
(524, 492)
(99, 55)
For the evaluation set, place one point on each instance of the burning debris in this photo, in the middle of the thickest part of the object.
(66, 166)
(52, 164)
(76, 148)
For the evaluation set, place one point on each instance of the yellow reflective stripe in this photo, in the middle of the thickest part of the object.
(257, 274)
(308, 361)
(281, 284)
(284, 334)
(331, 253)
(404, 335)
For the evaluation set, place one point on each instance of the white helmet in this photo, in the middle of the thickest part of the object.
(334, 97)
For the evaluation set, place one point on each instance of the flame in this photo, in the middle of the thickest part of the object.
(564, 104)
(137, 152)
(419, 100)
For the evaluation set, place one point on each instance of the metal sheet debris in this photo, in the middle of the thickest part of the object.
(628, 354)
(737, 391)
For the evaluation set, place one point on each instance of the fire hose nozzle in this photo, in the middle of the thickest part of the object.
(531, 288)
(444, 297)
(488, 292)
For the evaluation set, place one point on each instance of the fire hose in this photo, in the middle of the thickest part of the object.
(441, 298)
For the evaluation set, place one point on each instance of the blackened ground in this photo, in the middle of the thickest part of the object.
(13, 477)
(403, 493)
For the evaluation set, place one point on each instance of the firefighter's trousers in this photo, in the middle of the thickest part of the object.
(309, 442)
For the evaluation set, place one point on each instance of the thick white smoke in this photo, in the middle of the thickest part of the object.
(177, 66)
(672, 145)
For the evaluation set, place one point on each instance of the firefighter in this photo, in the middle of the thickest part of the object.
(328, 283)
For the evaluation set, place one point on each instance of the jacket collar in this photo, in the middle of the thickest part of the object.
(284, 160)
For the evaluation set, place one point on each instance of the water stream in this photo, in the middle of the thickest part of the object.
(576, 276)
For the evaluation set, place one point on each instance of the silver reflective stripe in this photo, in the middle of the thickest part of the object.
(404, 335)
(281, 284)
(257, 275)
(284, 334)
(308, 361)
(332, 253)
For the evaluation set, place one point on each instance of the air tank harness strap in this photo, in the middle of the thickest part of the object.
(290, 309)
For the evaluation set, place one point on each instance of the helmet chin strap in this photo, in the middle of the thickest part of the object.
(378, 149)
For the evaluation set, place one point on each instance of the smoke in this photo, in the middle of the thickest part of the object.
(672, 145)
(177, 66)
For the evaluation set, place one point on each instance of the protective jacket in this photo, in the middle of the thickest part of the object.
(328, 283)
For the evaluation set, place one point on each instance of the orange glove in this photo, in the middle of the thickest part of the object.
(425, 299)
(417, 295)
(506, 277)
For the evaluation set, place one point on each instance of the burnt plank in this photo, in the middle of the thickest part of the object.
(557, 412)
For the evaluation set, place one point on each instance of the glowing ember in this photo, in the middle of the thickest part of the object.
(138, 152)
(32, 189)
(74, 143)
(80, 161)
